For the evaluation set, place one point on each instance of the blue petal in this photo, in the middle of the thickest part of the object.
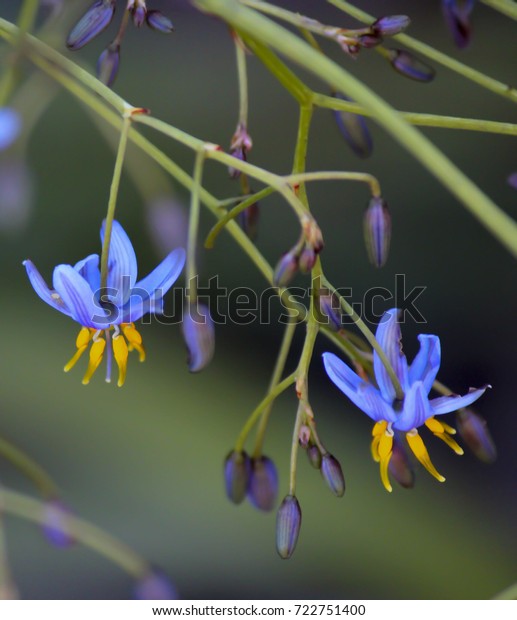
(427, 362)
(89, 269)
(416, 408)
(362, 394)
(10, 125)
(79, 297)
(446, 404)
(43, 291)
(159, 281)
(136, 307)
(122, 266)
(389, 338)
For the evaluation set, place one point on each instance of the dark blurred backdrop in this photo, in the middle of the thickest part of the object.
(145, 462)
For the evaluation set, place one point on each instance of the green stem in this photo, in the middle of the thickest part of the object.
(242, 75)
(268, 32)
(193, 227)
(269, 398)
(287, 339)
(29, 468)
(337, 175)
(112, 203)
(497, 87)
(508, 594)
(503, 6)
(300, 152)
(89, 535)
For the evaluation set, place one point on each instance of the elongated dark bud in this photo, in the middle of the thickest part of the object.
(474, 432)
(377, 231)
(107, 65)
(354, 130)
(333, 474)
(263, 484)
(286, 268)
(199, 335)
(410, 66)
(96, 19)
(390, 25)
(237, 471)
(288, 523)
(314, 456)
(400, 466)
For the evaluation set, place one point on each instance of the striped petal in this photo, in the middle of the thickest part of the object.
(427, 362)
(389, 337)
(77, 295)
(160, 280)
(49, 296)
(446, 404)
(362, 394)
(416, 408)
(89, 269)
(122, 265)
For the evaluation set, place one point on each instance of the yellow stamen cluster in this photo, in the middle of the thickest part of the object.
(125, 339)
(382, 446)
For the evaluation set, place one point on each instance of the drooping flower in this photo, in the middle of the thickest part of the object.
(107, 316)
(414, 410)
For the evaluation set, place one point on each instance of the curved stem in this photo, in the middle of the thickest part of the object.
(300, 152)
(503, 6)
(193, 227)
(337, 175)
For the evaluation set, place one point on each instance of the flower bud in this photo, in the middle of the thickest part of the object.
(263, 484)
(377, 231)
(286, 269)
(457, 17)
(249, 220)
(474, 432)
(512, 180)
(288, 523)
(107, 64)
(139, 14)
(158, 21)
(333, 474)
(410, 66)
(96, 19)
(307, 259)
(314, 456)
(10, 127)
(237, 471)
(155, 586)
(240, 154)
(390, 25)
(55, 525)
(199, 335)
(354, 130)
(369, 40)
(400, 466)
(330, 310)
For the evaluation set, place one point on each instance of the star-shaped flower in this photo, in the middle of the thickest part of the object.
(77, 293)
(415, 409)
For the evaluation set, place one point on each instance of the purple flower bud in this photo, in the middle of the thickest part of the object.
(390, 25)
(377, 231)
(55, 525)
(168, 223)
(307, 259)
(286, 269)
(199, 335)
(158, 21)
(333, 474)
(288, 523)
(155, 586)
(249, 219)
(474, 432)
(16, 194)
(354, 130)
(369, 40)
(237, 471)
(400, 466)
(10, 126)
(330, 310)
(138, 13)
(314, 456)
(410, 66)
(512, 180)
(240, 154)
(263, 484)
(107, 65)
(96, 19)
(457, 17)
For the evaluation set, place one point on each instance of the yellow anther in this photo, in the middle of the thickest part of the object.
(96, 353)
(385, 450)
(134, 339)
(120, 352)
(384, 473)
(434, 426)
(375, 448)
(420, 451)
(379, 427)
(448, 429)
(81, 342)
(442, 431)
(450, 442)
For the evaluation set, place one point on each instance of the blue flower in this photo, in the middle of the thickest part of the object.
(10, 127)
(414, 410)
(77, 294)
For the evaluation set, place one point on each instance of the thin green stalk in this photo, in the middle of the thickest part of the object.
(503, 6)
(337, 175)
(193, 227)
(497, 87)
(300, 152)
(242, 75)
(278, 370)
(89, 535)
(29, 468)
(254, 417)
(268, 32)
(112, 203)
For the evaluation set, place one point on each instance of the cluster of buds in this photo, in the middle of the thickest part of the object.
(353, 41)
(240, 146)
(457, 17)
(301, 257)
(98, 17)
(253, 478)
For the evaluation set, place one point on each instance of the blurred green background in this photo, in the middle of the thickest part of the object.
(145, 462)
